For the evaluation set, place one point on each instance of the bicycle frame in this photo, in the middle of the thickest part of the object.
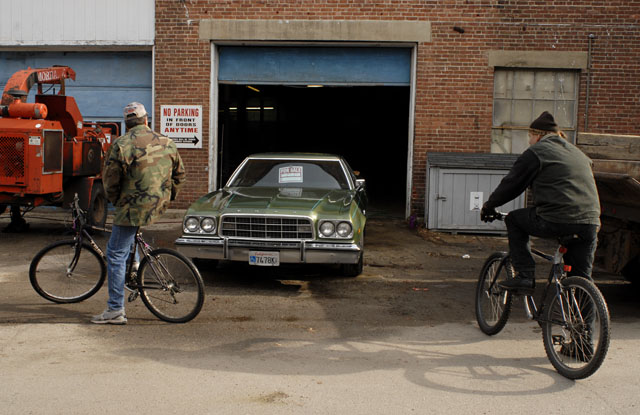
(143, 247)
(79, 226)
(556, 273)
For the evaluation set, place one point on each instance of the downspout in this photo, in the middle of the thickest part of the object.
(586, 105)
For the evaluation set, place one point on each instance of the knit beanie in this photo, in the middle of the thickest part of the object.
(544, 122)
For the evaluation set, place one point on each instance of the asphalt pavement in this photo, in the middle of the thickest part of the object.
(401, 338)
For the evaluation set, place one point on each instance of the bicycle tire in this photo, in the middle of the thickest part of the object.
(578, 350)
(50, 277)
(170, 286)
(493, 304)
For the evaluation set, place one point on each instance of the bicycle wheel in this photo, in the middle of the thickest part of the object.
(493, 304)
(576, 330)
(170, 286)
(63, 274)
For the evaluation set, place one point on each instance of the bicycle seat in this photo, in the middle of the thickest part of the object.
(567, 240)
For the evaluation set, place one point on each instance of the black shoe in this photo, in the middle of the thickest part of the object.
(520, 284)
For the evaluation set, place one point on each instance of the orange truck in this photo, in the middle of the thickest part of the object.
(48, 153)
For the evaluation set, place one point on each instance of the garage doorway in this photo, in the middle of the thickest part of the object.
(352, 101)
(368, 125)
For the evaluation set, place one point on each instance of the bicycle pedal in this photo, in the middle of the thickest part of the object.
(133, 296)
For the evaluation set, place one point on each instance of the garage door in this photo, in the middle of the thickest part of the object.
(314, 65)
(105, 82)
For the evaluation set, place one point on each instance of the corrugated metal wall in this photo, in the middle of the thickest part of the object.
(105, 81)
(77, 22)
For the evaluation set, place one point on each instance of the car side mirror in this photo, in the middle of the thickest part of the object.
(360, 183)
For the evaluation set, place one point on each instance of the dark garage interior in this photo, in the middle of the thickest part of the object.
(368, 125)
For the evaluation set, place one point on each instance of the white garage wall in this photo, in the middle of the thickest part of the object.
(77, 22)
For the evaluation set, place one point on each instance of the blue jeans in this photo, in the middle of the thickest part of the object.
(118, 249)
(522, 223)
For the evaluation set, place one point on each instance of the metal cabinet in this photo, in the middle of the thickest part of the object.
(457, 186)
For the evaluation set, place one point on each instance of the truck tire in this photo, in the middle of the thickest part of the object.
(97, 212)
(631, 271)
(2, 208)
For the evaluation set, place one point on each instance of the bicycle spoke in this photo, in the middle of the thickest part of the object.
(170, 287)
(62, 273)
(492, 303)
(576, 331)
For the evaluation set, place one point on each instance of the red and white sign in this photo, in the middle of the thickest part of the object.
(183, 124)
(290, 174)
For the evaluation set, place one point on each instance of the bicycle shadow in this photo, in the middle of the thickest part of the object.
(423, 362)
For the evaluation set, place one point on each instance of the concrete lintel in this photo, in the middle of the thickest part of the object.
(315, 30)
(538, 59)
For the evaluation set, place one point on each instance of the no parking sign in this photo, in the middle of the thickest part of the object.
(183, 124)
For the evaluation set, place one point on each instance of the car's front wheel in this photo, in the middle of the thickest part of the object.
(353, 270)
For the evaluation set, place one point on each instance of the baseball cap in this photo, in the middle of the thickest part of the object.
(134, 110)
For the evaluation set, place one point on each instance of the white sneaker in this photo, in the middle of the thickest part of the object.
(110, 317)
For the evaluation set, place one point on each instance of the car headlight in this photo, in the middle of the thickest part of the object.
(327, 228)
(208, 224)
(344, 229)
(192, 224)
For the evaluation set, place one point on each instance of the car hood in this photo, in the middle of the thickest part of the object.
(275, 200)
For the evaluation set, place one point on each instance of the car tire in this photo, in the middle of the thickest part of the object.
(353, 270)
(205, 264)
(631, 272)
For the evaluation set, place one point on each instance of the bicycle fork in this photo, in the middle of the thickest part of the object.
(159, 271)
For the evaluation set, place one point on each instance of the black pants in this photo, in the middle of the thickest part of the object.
(522, 223)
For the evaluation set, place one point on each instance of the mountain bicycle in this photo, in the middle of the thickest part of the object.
(573, 314)
(72, 270)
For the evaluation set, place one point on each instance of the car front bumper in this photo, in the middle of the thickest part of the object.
(309, 252)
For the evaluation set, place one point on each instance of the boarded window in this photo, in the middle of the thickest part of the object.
(521, 95)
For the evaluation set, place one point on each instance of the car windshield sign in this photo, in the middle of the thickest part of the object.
(290, 174)
(320, 174)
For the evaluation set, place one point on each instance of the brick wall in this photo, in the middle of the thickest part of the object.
(454, 82)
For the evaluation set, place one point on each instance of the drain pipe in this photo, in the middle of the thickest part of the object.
(586, 105)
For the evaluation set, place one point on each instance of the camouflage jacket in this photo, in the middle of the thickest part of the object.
(142, 172)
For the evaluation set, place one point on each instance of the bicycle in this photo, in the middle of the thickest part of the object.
(573, 314)
(72, 270)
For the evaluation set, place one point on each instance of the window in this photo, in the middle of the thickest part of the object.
(521, 95)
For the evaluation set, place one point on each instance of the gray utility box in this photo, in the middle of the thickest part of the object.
(457, 186)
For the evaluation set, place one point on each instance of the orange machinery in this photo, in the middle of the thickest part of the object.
(47, 152)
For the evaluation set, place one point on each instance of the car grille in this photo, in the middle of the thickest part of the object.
(266, 227)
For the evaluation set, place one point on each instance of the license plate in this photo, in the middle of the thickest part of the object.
(264, 259)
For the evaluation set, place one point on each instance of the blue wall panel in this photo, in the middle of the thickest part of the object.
(105, 81)
(314, 65)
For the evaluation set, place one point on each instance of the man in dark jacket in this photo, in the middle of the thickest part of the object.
(565, 202)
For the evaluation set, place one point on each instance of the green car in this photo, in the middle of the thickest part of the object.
(282, 208)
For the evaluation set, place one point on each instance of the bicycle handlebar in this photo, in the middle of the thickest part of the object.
(495, 215)
(79, 216)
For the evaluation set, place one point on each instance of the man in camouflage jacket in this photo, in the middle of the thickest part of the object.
(142, 174)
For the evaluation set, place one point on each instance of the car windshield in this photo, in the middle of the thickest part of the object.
(320, 174)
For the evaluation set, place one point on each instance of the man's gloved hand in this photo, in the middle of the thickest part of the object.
(488, 214)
